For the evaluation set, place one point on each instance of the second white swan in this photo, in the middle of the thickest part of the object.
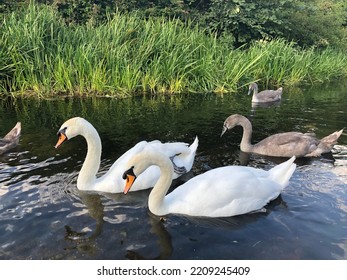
(181, 154)
(221, 192)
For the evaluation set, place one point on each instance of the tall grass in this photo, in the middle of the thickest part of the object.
(284, 63)
(39, 53)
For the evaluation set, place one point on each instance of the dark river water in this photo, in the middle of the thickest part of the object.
(44, 216)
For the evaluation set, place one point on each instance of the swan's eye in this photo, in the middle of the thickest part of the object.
(130, 171)
(62, 131)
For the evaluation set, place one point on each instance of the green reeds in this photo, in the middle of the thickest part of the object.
(39, 53)
(283, 63)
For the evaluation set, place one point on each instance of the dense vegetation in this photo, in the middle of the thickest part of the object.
(124, 47)
(316, 23)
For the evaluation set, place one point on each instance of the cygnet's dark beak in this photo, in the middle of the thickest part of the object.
(223, 130)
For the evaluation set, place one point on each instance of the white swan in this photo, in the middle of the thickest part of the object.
(221, 192)
(181, 154)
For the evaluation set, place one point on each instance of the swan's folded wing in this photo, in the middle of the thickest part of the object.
(268, 95)
(14, 134)
(171, 149)
(4, 142)
(124, 158)
(225, 191)
(287, 138)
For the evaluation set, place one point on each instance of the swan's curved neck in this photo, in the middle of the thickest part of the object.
(87, 176)
(255, 89)
(156, 199)
(246, 144)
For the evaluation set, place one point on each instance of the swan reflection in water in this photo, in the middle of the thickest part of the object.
(255, 106)
(86, 241)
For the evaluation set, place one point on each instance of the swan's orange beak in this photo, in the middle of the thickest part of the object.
(61, 139)
(130, 179)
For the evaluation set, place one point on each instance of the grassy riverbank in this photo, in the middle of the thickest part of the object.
(40, 54)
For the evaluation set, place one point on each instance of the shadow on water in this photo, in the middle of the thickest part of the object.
(86, 241)
(44, 216)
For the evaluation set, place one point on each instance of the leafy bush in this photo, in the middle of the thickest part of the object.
(318, 23)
